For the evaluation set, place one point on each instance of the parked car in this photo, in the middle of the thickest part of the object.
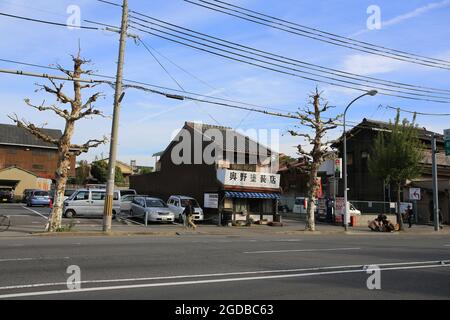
(89, 203)
(155, 209)
(38, 198)
(177, 204)
(125, 202)
(6, 194)
(26, 194)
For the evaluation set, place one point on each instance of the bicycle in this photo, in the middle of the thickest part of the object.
(5, 223)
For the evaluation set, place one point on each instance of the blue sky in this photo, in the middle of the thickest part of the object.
(147, 122)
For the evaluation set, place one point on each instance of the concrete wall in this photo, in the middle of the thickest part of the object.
(27, 180)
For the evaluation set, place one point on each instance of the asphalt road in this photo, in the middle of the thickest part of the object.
(192, 267)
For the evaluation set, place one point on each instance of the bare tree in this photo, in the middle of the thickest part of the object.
(78, 109)
(311, 117)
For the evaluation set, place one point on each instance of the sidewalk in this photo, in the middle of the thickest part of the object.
(290, 227)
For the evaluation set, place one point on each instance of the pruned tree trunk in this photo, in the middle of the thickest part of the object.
(399, 213)
(66, 150)
(312, 196)
(62, 174)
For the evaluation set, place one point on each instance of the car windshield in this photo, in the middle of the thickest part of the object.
(68, 193)
(126, 192)
(155, 203)
(184, 203)
(41, 193)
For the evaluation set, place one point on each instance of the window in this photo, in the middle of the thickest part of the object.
(152, 203)
(116, 196)
(97, 195)
(82, 195)
(240, 205)
(349, 159)
(184, 203)
(176, 203)
(41, 194)
(38, 167)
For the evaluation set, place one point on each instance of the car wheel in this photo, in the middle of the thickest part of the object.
(114, 216)
(131, 213)
(180, 218)
(69, 214)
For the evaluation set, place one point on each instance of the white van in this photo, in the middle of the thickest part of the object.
(177, 204)
(89, 203)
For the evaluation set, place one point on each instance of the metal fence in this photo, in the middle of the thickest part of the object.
(379, 207)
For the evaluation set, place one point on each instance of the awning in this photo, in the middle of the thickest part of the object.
(251, 195)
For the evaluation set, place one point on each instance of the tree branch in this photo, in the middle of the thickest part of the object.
(86, 146)
(60, 112)
(31, 128)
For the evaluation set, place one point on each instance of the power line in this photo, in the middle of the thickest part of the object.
(301, 64)
(416, 112)
(173, 78)
(323, 36)
(332, 34)
(47, 22)
(47, 76)
(339, 82)
(149, 85)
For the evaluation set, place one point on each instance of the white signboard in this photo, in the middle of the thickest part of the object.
(414, 194)
(211, 200)
(248, 179)
(339, 206)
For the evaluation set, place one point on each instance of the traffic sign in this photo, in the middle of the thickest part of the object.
(414, 194)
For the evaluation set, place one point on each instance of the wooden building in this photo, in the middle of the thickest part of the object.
(242, 185)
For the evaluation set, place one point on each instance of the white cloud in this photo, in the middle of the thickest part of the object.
(370, 64)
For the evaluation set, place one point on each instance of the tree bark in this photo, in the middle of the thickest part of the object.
(62, 174)
(312, 191)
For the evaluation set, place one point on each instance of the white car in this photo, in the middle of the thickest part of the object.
(177, 204)
(154, 209)
(125, 202)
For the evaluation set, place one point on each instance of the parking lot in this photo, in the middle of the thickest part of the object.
(33, 219)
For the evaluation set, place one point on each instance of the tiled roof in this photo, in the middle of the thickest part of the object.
(13, 135)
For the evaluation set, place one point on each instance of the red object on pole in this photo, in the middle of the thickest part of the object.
(51, 204)
(353, 221)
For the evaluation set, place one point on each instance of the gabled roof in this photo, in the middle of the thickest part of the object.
(223, 130)
(19, 168)
(376, 125)
(249, 143)
(15, 136)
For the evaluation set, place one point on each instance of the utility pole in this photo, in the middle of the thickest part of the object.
(435, 184)
(107, 211)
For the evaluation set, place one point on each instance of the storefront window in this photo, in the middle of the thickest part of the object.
(268, 206)
(240, 205)
(255, 205)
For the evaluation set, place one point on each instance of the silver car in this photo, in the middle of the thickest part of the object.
(90, 203)
(154, 209)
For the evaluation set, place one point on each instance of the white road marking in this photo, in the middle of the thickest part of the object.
(447, 245)
(440, 262)
(33, 259)
(35, 212)
(197, 282)
(301, 250)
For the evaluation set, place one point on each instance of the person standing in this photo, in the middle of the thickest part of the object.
(410, 215)
(189, 214)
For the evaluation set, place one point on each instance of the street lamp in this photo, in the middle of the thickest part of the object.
(346, 214)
